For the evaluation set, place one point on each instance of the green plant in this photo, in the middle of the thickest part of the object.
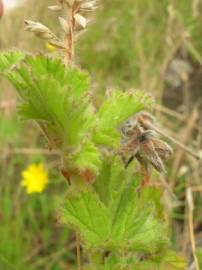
(120, 223)
(199, 255)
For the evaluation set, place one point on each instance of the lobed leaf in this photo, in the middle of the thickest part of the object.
(88, 157)
(111, 179)
(115, 109)
(89, 217)
(172, 261)
(9, 59)
(76, 81)
(135, 219)
(134, 225)
(58, 98)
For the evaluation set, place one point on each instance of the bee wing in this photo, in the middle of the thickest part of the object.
(152, 156)
(162, 148)
(129, 150)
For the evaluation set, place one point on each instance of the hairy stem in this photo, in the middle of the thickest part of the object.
(70, 36)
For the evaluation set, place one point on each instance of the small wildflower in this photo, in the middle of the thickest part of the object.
(34, 178)
(50, 47)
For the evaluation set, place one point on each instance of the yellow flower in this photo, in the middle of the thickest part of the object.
(34, 178)
(50, 47)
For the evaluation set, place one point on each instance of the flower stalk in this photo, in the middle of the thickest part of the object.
(70, 35)
(76, 22)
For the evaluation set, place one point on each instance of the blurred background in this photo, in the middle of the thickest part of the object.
(151, 45)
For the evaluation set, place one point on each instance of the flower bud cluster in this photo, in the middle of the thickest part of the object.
(43, 32)
(76, 21)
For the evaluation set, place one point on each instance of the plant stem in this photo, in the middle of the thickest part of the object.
(78, 251)
(191, 225)
(70, 36)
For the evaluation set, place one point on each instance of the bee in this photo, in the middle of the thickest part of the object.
(141, 142)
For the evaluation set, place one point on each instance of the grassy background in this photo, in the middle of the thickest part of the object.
(131, 44)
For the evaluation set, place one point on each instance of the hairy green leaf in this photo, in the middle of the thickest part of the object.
(88, 157)
(135, 220)
(172, 261)
(111, 179)
(118, 107)
(89, 216)
(134, 225)
(8, 60)
(57, 97)
(76, 81)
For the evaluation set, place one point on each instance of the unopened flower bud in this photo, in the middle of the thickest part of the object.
(35, 27)
(88, 5)
(58, 44)
(64, 25)
(44, 35)
(55, 8)
(80, 20)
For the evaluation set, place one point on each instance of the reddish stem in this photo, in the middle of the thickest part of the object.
(146, 176)
(70, 35)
